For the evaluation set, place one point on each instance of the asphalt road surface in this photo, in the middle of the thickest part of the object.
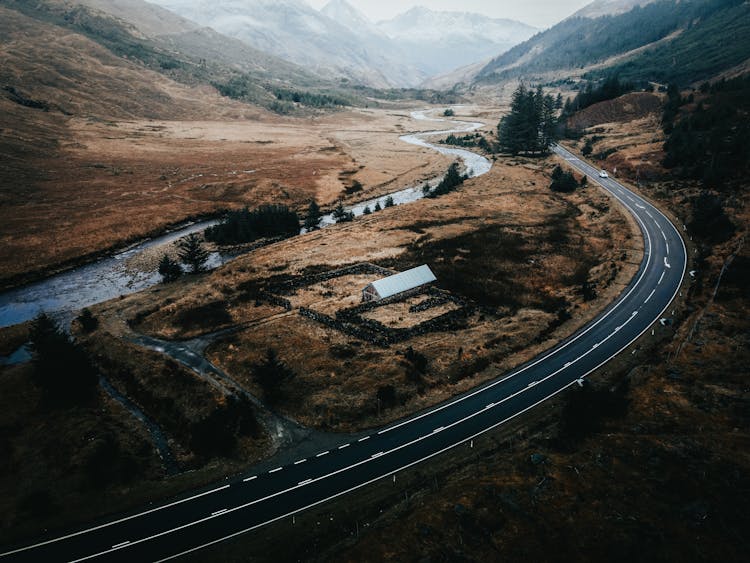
(236, 507)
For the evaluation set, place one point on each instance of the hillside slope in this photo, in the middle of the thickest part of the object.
(685, 41)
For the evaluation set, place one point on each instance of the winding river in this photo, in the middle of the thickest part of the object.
(64, 294)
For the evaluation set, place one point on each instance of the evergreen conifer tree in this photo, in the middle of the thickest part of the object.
(313, 216)
(192, 253)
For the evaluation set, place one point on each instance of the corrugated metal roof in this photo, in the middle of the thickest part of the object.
(404, 281)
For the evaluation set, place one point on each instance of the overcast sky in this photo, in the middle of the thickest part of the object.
(539, 13)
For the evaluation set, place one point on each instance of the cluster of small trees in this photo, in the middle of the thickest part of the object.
(192, 255)
(310, 99)
(609, 89)
(475, 140)
(452, 179)
(531, 125)
(341, 215)
(244, 226)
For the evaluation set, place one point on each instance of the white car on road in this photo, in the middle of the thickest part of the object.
(603, 174)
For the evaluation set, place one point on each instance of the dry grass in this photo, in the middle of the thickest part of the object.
(504, 241)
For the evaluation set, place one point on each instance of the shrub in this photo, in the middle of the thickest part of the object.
(88, 321)
(169, 269)
(563, 181)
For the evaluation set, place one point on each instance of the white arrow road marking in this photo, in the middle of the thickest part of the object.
(666, 262)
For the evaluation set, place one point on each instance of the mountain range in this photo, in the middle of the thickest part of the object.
(339, 41)
(684, 41)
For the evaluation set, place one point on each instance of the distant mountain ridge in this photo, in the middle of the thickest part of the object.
(340, 42)
(660, 40)
(296, 32)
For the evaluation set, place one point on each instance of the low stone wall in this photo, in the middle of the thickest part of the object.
(289, 286)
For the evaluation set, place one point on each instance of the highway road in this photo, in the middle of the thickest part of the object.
(235, 507)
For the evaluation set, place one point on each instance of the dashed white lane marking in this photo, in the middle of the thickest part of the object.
(667, 248)
(276, 470)
(661, 277)
(649, 214)
(595, 346)
(305, 482)
(363, 439)
(300, 461)
(490, 406)
(250, 478)
(664, 236)
(222, 511)
(650, 295)
(321, 454)
(119, 545)
(397, 448)
(344, 446)
(438, 430)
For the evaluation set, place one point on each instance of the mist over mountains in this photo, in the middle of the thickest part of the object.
(340, 42)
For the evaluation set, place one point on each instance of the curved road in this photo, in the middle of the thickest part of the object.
(235, 507)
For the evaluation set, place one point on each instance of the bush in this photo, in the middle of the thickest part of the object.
(169, 269)
(88, 321)
(563, 181)
(386, 396)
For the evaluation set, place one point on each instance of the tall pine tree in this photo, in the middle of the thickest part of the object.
(530, 125)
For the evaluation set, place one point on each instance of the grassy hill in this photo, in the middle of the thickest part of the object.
(182, 52)
(665, 41)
